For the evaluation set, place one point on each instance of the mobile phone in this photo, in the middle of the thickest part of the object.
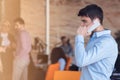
(96, 24)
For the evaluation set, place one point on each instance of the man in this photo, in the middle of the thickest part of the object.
(21, 60)
(66, 46)
(98, 58)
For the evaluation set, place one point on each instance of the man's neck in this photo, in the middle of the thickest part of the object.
(22, 29)
(100, 28)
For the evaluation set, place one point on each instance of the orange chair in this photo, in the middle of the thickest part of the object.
(69, 60)
(67, 75)
(51, 69)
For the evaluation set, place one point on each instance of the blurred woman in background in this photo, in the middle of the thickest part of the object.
(58, 55)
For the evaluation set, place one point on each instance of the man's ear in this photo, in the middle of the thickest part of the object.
(96, 19)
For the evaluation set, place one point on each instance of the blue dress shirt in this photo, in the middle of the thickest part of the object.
(98, 58)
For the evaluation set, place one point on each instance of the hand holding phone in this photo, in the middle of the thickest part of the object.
(96, 24)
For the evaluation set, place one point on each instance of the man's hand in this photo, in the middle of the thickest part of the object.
(83, 31)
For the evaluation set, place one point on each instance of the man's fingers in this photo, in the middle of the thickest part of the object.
(82, 30)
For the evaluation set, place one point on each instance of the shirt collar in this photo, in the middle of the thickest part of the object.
(98, 34)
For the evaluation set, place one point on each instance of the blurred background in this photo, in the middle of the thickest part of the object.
(63, 16)
(63, 22)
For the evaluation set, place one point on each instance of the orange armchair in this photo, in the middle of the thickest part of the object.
(67, 75)
(51, 69)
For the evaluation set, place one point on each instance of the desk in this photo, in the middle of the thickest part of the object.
(39, 60)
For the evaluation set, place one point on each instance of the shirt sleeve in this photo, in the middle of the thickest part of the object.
(99, 51)
(62, 63)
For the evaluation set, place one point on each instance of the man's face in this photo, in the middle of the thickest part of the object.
(64, 41)
(86, 21)
(18, 26)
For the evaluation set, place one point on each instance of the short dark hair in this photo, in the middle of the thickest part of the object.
(62, 37)
(19, 20)
(93, 11)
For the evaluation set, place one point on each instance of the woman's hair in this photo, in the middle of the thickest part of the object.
(5, 25)
(56, 54)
